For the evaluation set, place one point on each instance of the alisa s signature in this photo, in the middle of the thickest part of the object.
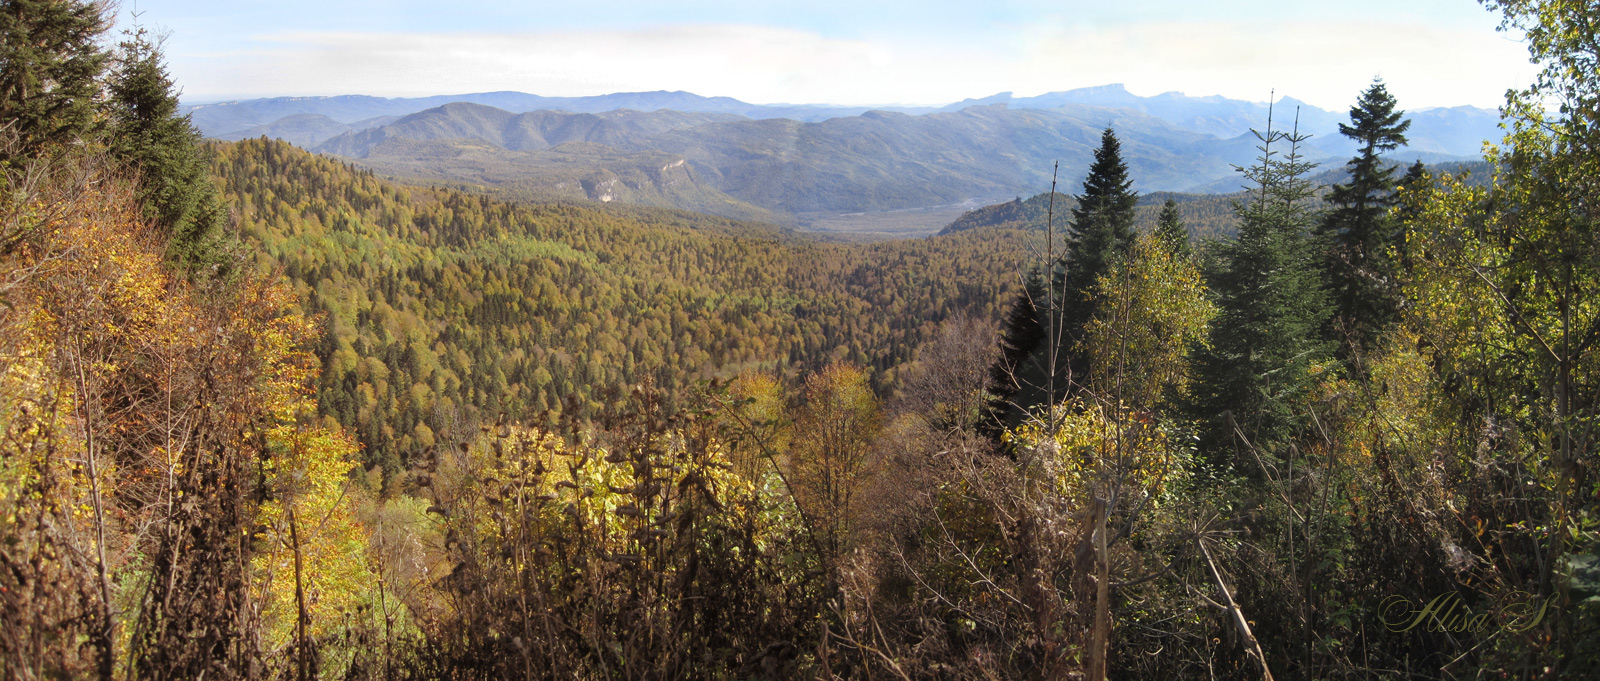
(1447, 612)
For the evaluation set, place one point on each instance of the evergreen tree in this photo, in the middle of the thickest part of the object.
(1415, 174)
(1101, 233)
(1171, 232)
(1016, 375)
(1359, 231)
(49, 73)
(1265, 340)
(148, 133)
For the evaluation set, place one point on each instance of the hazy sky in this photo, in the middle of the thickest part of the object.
(865, 52)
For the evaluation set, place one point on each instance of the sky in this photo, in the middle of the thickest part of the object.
(850, 52)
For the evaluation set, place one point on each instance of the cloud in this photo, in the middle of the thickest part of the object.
(1325, 63)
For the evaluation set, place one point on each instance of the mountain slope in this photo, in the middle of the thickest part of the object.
(442, 307)
(1206, 216)
(303, 130)
(885, 160)
(876, 161)
(530, 131)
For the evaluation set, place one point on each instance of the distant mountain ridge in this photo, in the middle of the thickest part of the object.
(805, 165)
(226, 118)
(876, 161)
(1214, 115)
(529, 131)
(1455, 131)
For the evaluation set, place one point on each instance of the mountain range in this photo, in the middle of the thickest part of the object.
(223, 120)
(1457, 131)
(796, 163)
(877, 161)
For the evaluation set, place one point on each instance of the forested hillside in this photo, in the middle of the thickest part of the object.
(441, 307)
(1205, 216)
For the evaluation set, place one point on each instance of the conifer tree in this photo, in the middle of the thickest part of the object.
(1102, 231)
(1014, 377)
(1029, 373)
(1266, 338)
(1415, 174)
(148, 133)
(1358, 229)
(49, 72)
(1102, 234)
(1170, 230)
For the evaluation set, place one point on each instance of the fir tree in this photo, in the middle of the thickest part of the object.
(148, 133)
(1102, 234)
(1415, 174)
(1102, 231)
(1416, 178)
(1029, 373)
(1170, 230)
(1358, 231)
(49, 73)
(1266, 338)
(1015, 377)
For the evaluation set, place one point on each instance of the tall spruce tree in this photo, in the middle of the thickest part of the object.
(1102, 229)
(148, 133)
(1266, 338)
(1358, 230)
(1030, 371)
(1102, 233)
(50, 67)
